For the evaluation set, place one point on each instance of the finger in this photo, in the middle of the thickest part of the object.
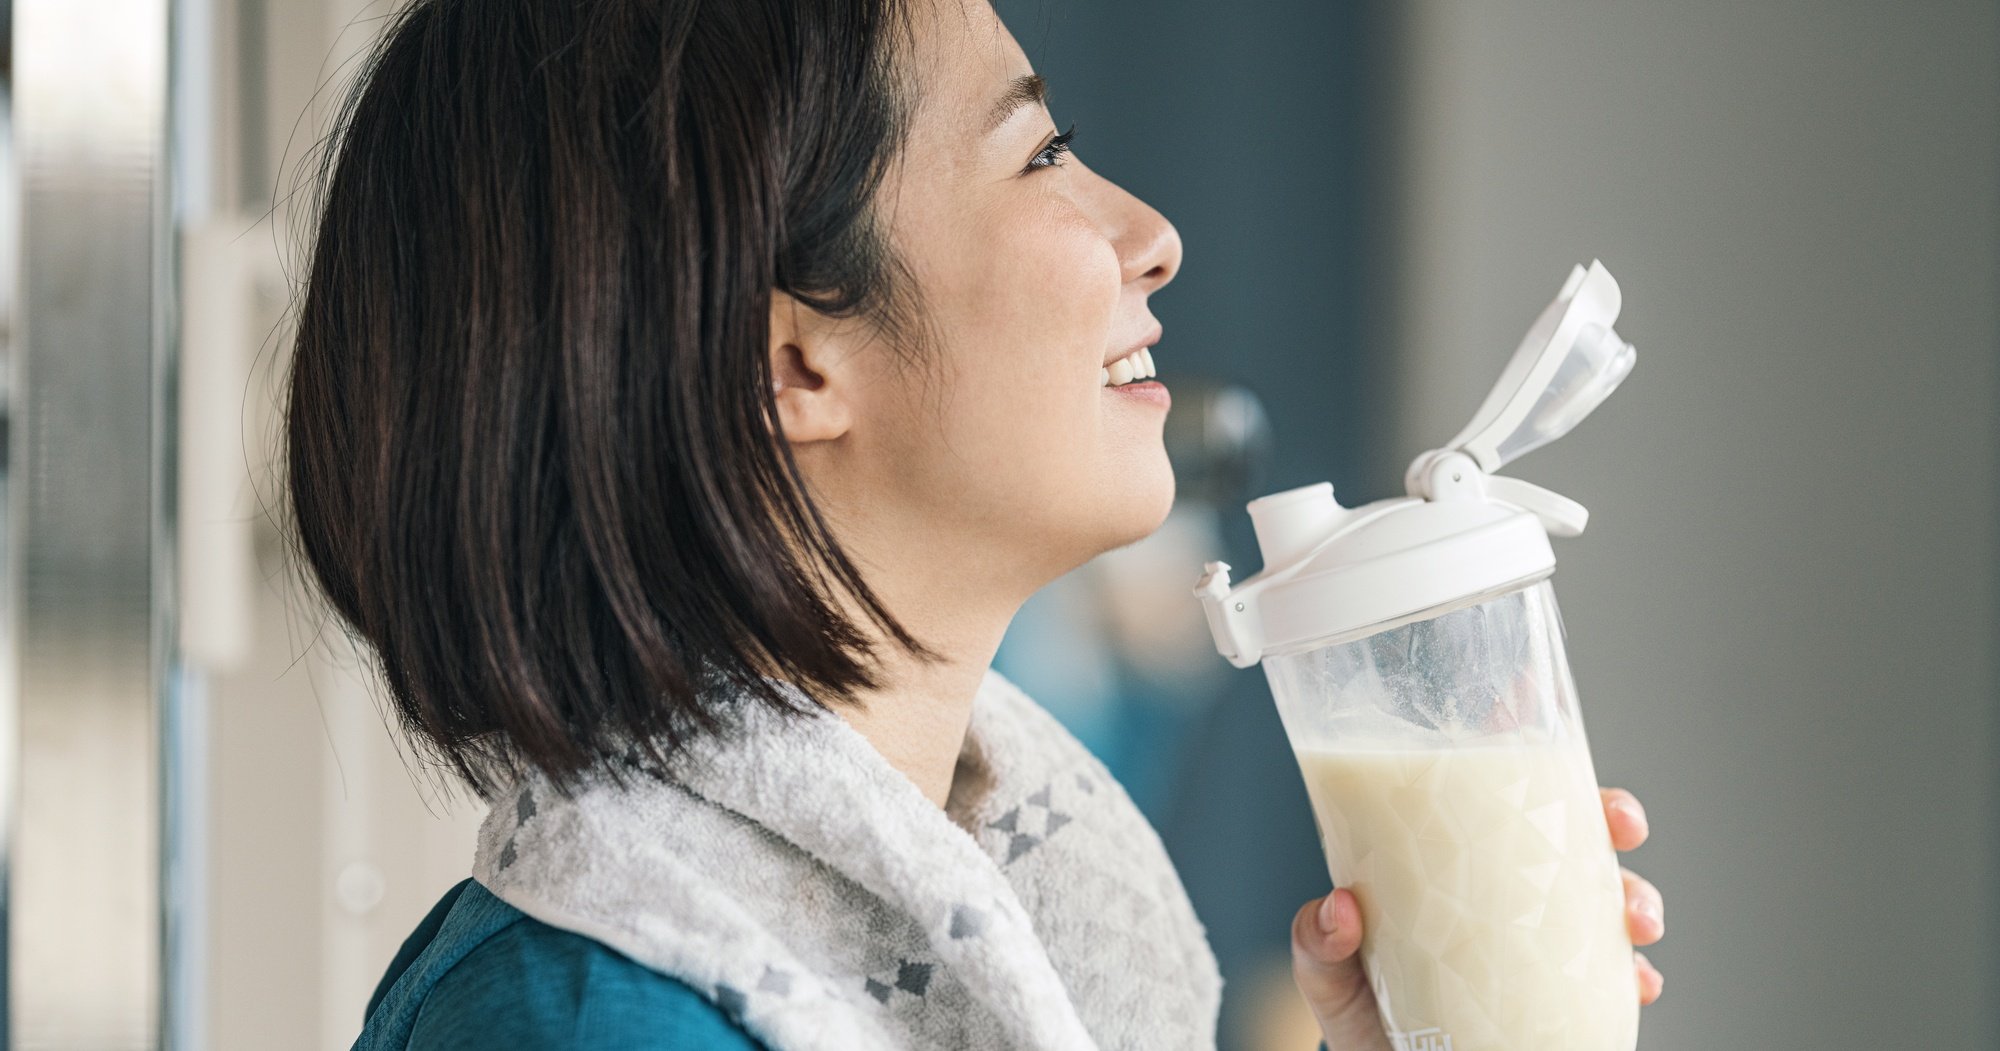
(1645, 909)
(1626, 818)
(1651, 982)
(1328, 930)
(1326, 958)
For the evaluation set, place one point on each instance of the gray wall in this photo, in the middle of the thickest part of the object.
(1783, 616)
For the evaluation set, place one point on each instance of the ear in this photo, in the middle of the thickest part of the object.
(808, 384)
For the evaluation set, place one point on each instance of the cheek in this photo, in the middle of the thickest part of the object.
(1039, 308)
(1041, 304)
(1053, 273)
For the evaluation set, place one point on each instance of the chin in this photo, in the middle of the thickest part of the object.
(1142, 504)
(1114, 512)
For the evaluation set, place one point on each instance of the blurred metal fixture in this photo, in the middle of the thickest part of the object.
(1219, 440)
(88, 602)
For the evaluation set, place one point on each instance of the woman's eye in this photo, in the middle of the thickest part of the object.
(1050, 156)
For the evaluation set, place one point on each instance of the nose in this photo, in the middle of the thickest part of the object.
(1148, 246)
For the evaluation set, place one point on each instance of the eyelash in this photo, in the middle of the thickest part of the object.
(1050, 156)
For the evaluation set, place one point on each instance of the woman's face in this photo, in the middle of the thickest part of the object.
(997, 454)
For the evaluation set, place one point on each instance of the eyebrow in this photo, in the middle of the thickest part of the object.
(1026, 90)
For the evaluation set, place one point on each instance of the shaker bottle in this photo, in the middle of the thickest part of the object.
(1415, 652)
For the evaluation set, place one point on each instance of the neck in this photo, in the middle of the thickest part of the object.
(918, 716)
(919, 724)
(951, 591)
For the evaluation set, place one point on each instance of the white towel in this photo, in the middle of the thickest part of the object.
(812, 891)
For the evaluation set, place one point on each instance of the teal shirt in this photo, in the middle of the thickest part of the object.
(478, 973)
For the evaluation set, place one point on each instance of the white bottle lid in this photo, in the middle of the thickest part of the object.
(1463, 533)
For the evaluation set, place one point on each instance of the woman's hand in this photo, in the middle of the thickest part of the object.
(1326, 943)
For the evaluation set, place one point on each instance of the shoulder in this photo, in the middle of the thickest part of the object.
(530, 985)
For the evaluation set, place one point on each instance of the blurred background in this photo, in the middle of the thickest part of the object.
(1782, 619)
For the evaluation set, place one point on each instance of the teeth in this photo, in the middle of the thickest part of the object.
(1137, 365)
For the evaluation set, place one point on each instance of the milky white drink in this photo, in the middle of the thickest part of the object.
(1490, 895)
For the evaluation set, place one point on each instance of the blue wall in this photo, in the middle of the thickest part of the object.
(1256, 129)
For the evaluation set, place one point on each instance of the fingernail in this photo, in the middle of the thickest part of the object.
(1651, 910)
(1327, 921)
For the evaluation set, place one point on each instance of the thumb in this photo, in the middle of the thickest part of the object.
(1326, 961)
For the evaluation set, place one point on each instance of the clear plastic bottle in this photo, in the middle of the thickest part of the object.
(1416, 655)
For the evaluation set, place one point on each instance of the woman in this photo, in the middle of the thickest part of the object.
(686, 395)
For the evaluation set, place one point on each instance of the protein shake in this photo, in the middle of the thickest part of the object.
(1489, 892)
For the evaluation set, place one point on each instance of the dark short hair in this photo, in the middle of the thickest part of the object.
(532, 455)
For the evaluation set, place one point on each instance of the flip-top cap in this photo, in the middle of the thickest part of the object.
(1463, 534)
